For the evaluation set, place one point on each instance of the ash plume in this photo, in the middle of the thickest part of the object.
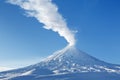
(46, 12)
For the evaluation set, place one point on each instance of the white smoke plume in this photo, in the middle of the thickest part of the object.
(46, 12)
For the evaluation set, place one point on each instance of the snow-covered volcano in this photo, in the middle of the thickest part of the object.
(71, 59)
(67, 61)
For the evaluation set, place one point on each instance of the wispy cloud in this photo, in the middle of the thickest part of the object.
(46, 12)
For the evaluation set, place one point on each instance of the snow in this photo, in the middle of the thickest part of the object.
(5, 69)
(27, 73)
(9, 76)
(118, 67)
(56, 71)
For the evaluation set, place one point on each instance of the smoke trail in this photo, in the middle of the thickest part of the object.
(47, 13)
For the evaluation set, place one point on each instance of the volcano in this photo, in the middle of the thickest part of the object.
(67, 64)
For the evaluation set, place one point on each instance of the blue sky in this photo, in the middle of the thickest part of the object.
(23, 41)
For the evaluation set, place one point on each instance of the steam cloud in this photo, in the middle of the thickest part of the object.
(46, 12)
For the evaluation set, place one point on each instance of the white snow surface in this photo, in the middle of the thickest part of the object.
(27, 73)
